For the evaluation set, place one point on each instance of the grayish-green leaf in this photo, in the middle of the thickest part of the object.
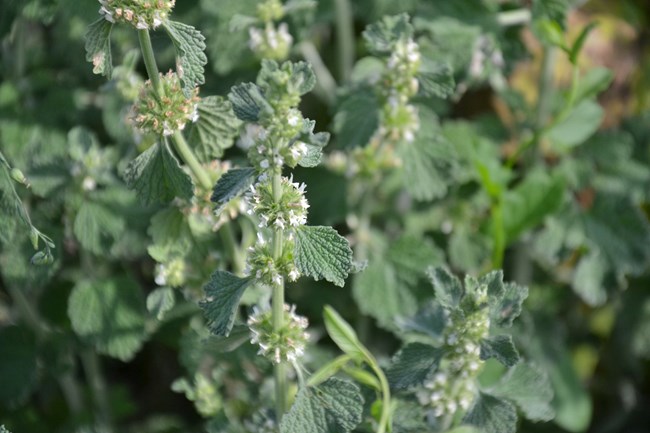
(335, 406)
(529, 388)
(18, 364)
(320, 252)
(589, 278)
(231, 184)
(492, 415)
(501, 348)
(593, 82)
(382, 36)
(96, 226)
(110, 315)
(248, 102)
(315, 143)
(160, 301)
(215, 130)
(157, 176)
(581, 123)
(447, 287)
(530, 202)
(436, 79)
(413, 364)
(190, 46)
(223, 292)
(170, 233)
(507, 308)
(98, 47)
(357, 118)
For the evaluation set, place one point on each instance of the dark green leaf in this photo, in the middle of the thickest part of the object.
(231, 184)
(215, 130)
(447, 287)
(357, 118)
(189, 44)
(501, 348)
(248, 102)
(98, 47)
(321, 252)
(492, 415)
(579, 42)
(96, 226)
(436, 79)
(506, 309)
(18, 364)
(335, 406)
(157, 176)
(223, 292)
(413, 364)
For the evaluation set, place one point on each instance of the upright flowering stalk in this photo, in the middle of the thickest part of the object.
(286, 247)
(266, 39)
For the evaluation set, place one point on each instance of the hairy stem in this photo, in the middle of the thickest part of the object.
(92, 368)
(149, 59)
(230, 242)
(345, 38)
(280, 372)
(384, 420)
(325, 83)
(498, 233)
(188, 156)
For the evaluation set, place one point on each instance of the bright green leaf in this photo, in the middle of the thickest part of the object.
(342, 333)
(215, 130)
(529, 388)
(320, 252)
(110, 315)
(413, 364)
(223, 292)
(231, 184)
(501, 348)
(335, 406)
(98, 47)
(576, 48)
(157, 176)
(189, 44)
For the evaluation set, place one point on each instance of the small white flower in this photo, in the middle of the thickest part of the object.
(265, 164)
(293, 119)
(280, 222)
(294, 275)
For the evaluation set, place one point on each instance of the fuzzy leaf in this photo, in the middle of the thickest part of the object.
(501, 348)
(320, 252)
(160, 301)
(110, 315)
(342, 333)
(215, 130)
(529, 388)
(231, 184)
(492, 415)
(189, 44)
(223, 291)
(98, 47)
(413, 364)
(157, 176)
(447, 287)
(315, 143)
(382, 36)
(335, 406)
(357, 118)
(506, 309)
(248, 102)
(18, 364)
(436, 79)
(96, 226)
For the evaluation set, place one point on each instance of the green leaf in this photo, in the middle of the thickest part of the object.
(160, 301)
(320, 252)
(223, 292)
(412, 255)
(18, 364)
(588, 278)
(342, 333)
(189, 44)
(447, 287)
(505, 309)
(430, 321)
(429, 161)
(413, 364)
(170, 233)
(97, 226)
(576, 48)
(583, 121)
(328, 370)
(593, 82)
(501, 348)
(248, 102)
(98, 47)
(110, 315)
(492, 415)
(302, 78)
(231, 184)
(555, 10)
(315, 143)
(382, 36)
(550, 32)
(335, 406)
(357, 118)
(157, 176)
(529, 388)
(526, 206)
(436, 79)
(215, 130)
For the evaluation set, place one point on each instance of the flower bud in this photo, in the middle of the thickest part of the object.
(141, 14)
(286, 344)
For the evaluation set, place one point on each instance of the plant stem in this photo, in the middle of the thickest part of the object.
(514, 18)
(345, 38)
(498, 233)
(230, 242)
(280, 373)
(325, 83)
(149, 60)
(384, 420)
(92, 368)
(188, 156)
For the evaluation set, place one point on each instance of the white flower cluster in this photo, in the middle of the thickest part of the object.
(290, 210)
(142, 14)
(171, 273)
(436, 395)
(266, 268)
(270, 42)
(284, 345)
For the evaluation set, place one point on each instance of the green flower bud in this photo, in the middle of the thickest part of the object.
(268, 270)
(283, 345)
(141, 14)
(19, 177)
(166, 113)
(270, 10)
